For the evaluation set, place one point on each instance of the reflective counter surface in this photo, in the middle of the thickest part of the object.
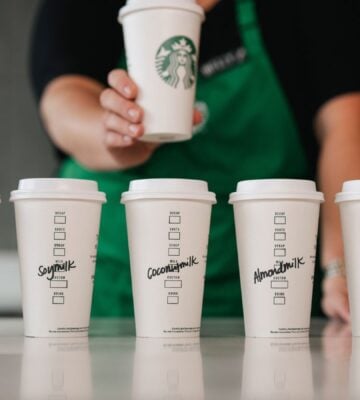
(221, 365)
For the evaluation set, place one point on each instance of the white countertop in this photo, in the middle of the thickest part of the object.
(113, 364)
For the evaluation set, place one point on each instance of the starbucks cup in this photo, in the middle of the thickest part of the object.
(276, 229)
(349, 203)
(162, 49)
(168, 224)
(57, 224)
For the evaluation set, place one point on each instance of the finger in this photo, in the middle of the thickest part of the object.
(113, 102)
(119, 80)
(338, 309)
(342, 310)
(117, 124)
(198, 117)
(115, 140)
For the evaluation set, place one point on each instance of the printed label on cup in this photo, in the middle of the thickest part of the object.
(176, 62)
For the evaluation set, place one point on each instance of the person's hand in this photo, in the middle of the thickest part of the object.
(123, 121)
(335, 302)
(100, 128)
(123, 125)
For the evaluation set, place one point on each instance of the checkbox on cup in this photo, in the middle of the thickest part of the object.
(174, 251)
(59, 235)
(174, 219)
(279, 220)
(59, 220)
(174, 235)
(173, 284)
(173, 300)
(58, 300)
(280, 252)
(54, 284)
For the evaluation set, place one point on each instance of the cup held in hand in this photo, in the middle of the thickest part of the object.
(162, 48)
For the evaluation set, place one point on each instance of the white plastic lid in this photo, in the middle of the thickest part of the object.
(184, 189)
(350, 192)
(57, 188)
(291, 189)
(139, 5)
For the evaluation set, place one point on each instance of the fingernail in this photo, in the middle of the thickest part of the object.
(127, 90)
(134, 128)
(127, 139)
(134, 113)
(110, 139)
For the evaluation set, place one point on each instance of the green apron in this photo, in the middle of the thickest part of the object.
(249, 133)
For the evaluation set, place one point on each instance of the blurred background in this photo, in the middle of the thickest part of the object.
(25, 151)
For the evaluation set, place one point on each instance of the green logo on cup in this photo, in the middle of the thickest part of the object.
(176, 62)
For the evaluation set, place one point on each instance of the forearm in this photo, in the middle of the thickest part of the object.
(73, 117)
(338, 126)
(99, 128)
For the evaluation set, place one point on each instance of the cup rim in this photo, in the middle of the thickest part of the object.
(17, 195)
(128, 197)
(131, 8)
(276, 189)
(343, 197)
(350, 191)
(57, 189)
(168, 189)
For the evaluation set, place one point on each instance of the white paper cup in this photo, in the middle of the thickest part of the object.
(276, 229)
(349, 203)
(168, 369)
(168, 224)
(57, 224)
(162, 48)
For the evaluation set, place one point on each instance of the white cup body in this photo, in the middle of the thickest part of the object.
(167, 98)
(349, 203)
(350, 221)
(276, 229)
(168, 247)
(57, 225)
(57, 244)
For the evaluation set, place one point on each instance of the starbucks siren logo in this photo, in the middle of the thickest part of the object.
(176, 62)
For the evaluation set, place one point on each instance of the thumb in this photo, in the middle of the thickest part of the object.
(198, 117)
